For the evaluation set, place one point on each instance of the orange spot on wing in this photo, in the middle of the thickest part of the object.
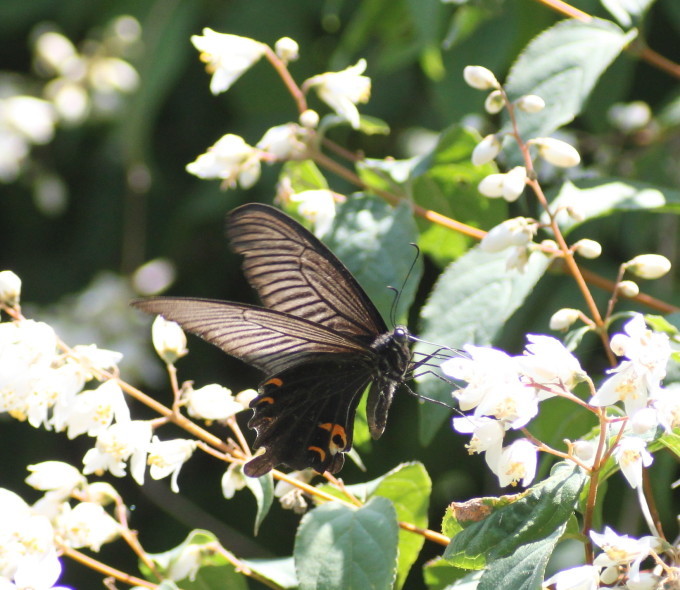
(275, 381)
(320, 451)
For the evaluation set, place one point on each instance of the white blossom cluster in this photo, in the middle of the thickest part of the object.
(233, 161)
(75, 391)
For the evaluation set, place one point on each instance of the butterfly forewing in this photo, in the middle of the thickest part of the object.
(268, 340)
(293, 272)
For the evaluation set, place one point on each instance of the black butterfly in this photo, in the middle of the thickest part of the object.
(319, 339)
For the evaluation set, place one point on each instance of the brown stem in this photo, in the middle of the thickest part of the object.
(104, 569)
(649, 495)
(293, 88)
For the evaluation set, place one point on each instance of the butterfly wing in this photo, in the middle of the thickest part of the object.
(304, 416)
(269, 340)
(293, 272)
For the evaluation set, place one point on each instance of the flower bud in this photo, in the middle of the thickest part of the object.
(494, 103)
(530, 103)
(649, 266)
(549, 244)
(486, 150)
(563, 318)
(557, 152)
(514, 182)
(588, 248)
(584, 449)
(169, 340)
(512, 232)
(309, 119)
(10, 288)
(628, 288)
(492, 185)
(286, 49)
(630, 117)
(644, 420)
(480, 78)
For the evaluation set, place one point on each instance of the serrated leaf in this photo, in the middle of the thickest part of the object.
(213, 569)
(338, 547)
(408, 487)
(281, 570)
(597, 198)
(469, 304)
(263, 490)
(532, 520)
(373, 240)
(562, 65)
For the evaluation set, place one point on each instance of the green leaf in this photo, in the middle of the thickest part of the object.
(408, 487)
(469, 304)
(593, 198)
(338, 547)
(281, 571)
(303, 175)
(213, 569)
(372, 239)
(671, 440)
(439, 574)
(445, 181)
(263, 490)
(562, 65)
(514, 543)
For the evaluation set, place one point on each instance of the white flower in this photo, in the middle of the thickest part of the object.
(287, 49)
(631, 454)
(99, 359)
(38, 573)
(583, 577)
(516, 463)
(546, 360)
(226, 56)
(167, 457)
(627, 384)
(486, 150)
(290, 496)
(588, 248)
(515, 404)
(644, 420)
(492, 185)
(512, 232)
(10, 288)
(92, 411)
(117, 444)
(585, 450)
(233, 480)
(564, 318)
(487, 435)
(647, 349)
(230, 159)
(630, 117)
(622, 550)
(557, 152)
(342, 91)
(86, 525)
(514, 182)
(480, 78)
(530, 103)
(55, 476)
(169, 340)
(33, 118)
(284, 142)
(187, 564)
(211, 402)
(649, 266)
(487, 369)
(667, 403)
(317, 206)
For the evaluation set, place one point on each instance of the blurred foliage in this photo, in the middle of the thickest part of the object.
(128, 198)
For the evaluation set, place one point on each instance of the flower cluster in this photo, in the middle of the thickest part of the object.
(234, 161)
(505, 391)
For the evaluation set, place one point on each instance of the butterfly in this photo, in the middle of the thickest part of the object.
(318, 339)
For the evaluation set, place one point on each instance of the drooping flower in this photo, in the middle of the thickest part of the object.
(230, 159)
(166, 457)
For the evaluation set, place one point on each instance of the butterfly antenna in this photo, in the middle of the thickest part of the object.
(398, 292)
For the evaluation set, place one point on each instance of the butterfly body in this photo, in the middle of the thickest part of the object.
(319, 340)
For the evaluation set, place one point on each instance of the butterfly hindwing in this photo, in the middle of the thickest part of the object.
(304, 417)
(292, 271)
